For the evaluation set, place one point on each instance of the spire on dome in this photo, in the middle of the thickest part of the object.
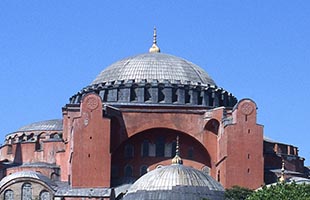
(282, 178)
(177, 159)
(154, 48)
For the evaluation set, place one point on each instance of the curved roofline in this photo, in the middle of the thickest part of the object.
(127, 60)
(39, 126)
(35, 176)
(244, 99)
(205, 183)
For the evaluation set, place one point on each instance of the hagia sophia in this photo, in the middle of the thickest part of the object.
(149, 126)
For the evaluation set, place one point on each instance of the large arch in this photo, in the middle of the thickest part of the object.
(155, 147)
(211, 132)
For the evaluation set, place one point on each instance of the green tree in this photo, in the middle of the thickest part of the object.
(283, 191)
(237, 193)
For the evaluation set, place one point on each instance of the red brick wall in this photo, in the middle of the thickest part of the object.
(91, 160)
(243, 140)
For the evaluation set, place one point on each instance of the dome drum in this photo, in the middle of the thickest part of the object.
(158, 92)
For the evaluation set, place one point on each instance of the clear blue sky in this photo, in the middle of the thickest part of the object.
(255, 49)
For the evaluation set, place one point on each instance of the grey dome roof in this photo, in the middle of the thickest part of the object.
(150, 66)
(156, 78)
(175, 182)
(48, 125)
(30, 175)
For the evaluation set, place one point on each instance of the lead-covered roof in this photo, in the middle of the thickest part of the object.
(154, 66)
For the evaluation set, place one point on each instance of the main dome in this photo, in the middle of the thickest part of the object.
(155, 78)
(154, 66)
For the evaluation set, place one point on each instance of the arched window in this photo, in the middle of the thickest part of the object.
(9, 195)
(54, 135)
(39, 145)
(168, 148)
(206, 170)
(9, 149)
(30, 137)
(45, 195)
(21, 138)
(190, 153)
(212, 126)
(161, 95)
(143, 170)
(26, 191)
(147, 93)
(129, 151)
(159, 166)
(160, 146)
(173, 148)
(134, 92)
(39, 142)
(54, 176)
(128, 171)
(9, 140)
(145, 148)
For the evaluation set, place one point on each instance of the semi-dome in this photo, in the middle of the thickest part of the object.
(154, 66)
(175, 181)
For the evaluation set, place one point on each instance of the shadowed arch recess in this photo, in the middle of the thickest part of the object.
(160, 151)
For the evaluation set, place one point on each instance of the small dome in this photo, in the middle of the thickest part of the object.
(27, 174)
(48, 125)
(150, 66)
(175, 182)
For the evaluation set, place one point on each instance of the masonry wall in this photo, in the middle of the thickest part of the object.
(90, 145)
(242, 142)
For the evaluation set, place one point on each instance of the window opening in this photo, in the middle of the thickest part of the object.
(128, 171)
(8, 195)
(143, 170)
(145, 148)
(27, 191)
(45, 195)
(160, 146)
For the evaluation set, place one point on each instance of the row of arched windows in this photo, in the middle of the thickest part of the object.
(32, 137)
(38, 147)
(148, 149)
(157, 149)
(26, 193)
(128, 171)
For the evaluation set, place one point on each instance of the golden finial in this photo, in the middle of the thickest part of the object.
(282, 178)
(154, 48)
(177, 159)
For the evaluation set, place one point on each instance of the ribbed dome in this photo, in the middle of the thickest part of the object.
(152, 66)
(48, 125)
(156, 78)
(175, 182)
